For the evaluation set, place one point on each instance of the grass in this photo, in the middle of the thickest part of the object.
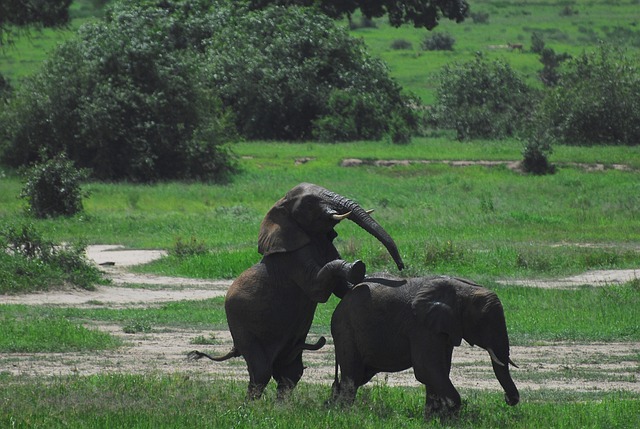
(476, 221)
(168, 401)
(37, 334)
(509, 22)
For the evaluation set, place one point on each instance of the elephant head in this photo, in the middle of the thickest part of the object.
(463, 310)
(308, 210)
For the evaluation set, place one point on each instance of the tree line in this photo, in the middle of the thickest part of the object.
(158, 90)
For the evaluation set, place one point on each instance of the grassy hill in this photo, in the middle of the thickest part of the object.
(494, 24)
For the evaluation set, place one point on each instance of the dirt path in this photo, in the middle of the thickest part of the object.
(578, 367)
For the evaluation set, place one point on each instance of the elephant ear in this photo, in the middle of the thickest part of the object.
(434, 308)
(279, 232)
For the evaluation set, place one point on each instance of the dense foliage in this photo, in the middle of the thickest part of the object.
(53, 188)
(483, 99)
(156, 92)
(127, 99)
(292, 74)
(28, 13)
(421, 13)
(596, 100)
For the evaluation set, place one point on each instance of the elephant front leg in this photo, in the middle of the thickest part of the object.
(431, 367)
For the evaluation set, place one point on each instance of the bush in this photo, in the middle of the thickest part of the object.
(30, 262)
(127, 99)
(596, 100)
(483, 99)
(5, 90)
(438, 42)
(537, 43)
(549, 75)
(536, 157)
(401, 44)
(53, 188)
(293, 74)
(480, 17)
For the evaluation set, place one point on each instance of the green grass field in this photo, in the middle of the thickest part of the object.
(485, 223)
(155, 401)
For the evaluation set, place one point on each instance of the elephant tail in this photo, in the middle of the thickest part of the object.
(195, 355)
(315, 346)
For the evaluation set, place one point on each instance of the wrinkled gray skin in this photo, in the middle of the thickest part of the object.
(271, 305)
(388, 325)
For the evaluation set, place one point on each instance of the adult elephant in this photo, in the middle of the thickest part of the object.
(271, 305)
(388, 325)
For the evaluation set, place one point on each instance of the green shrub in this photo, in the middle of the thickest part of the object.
(30, 262)
(286, 73)
(596, 100)
(480, 17)
(537, 43)
(53, 188)
(5, 90)
(126, 98)
(401, 44)
(550, 75)
(536, 157)
(438, 42)
(483, 99)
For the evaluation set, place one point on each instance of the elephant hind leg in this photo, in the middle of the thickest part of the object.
(287, 376)
(260, 372)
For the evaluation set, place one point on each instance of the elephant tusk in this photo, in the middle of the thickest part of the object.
(370, 211)
(494, 357)
(513, 364)
(342, 216)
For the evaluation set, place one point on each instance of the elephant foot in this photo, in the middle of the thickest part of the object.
(254, 391)
(357, 271)
(441, 407)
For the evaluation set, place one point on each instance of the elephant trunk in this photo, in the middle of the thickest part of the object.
(366, 222)
(511, 394)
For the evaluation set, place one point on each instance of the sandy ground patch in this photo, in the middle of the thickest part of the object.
(590, 278)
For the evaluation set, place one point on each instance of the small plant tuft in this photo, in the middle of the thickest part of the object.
(192, 247)
(205, 341)
(137, 327)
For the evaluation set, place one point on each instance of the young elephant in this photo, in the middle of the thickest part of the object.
(388, 325)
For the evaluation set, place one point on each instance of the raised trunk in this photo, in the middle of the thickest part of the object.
(366, 222)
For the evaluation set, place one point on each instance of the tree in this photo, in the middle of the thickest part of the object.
(291, 73)
(483, 99)
(127, 99)
(421, 13)
(596, 100)
(29, 13)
